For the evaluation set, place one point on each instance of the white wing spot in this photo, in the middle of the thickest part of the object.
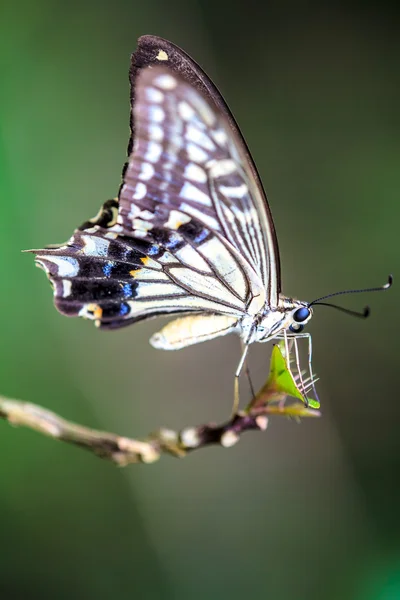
(140, 192)
(67, 266)
(162, 55)
(153, 152)
(111, 235)
(95, 246)
(139, 233)
(195, 173)
(186, 112)
(67, 287)
(140, 225)
(156, 114)
(156, 133)
(219, 136)
(191, 192)
(146, 171)
(146, 215)
(166, 82)
(154, 95)
(196, 154)
(176, 219)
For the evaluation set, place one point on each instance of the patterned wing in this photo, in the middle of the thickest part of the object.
(117, 280)
(186, 234)
(152, 50)
(187, 163)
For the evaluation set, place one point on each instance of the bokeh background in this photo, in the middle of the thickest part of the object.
(303, 511)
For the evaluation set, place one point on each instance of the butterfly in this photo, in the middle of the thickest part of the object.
(191, 232)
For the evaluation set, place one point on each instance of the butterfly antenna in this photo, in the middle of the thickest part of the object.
(362, 315)
(353, 313)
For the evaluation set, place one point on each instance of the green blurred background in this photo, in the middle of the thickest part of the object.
(303, 511)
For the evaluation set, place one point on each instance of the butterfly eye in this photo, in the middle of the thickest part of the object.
(301, 314)
(296, 327)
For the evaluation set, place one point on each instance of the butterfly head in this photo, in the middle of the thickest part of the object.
(292, 315)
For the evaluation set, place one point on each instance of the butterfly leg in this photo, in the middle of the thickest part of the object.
(312, 378)
(290, 342)
(288, 348)
(247, 371)
(299, 372)
(242, 361)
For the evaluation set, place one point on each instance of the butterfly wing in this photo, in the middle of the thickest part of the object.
(117, 280)
(152, 50)
(163, 255)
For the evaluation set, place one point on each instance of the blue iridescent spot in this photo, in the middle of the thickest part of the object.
(127, 290)
(153, 250)
(124, 309)
(201, 236)
(108, 268)
(173, 242)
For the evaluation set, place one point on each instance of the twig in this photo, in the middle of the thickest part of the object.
(123, 451)
(119, 449)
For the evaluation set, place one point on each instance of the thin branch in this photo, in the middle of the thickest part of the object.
(119, 449)
(123, 451)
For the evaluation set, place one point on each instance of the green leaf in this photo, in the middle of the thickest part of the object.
(295, 411)
(280, 382)
(280, 379)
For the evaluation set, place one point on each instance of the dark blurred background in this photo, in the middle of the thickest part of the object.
(303, 511)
